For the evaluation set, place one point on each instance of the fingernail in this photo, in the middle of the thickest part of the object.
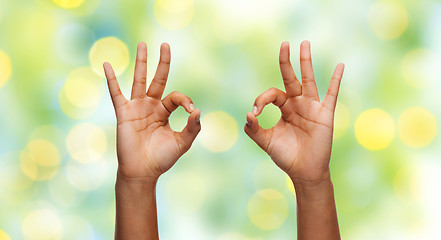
(248, 123)
(198, 120)
(191, 106)
(254, 110)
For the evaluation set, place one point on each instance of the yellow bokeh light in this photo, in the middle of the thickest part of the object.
(84, 88)
(290, 185)
(12, 178)
(5, 68)
(174, 14)
(232, 236)
(268, 209)
(44, 152)
(81, 93)
(4, 236)
(71, 110)
(68, 3)
(407, 185)
(86, 142)
(421, 68)
(342, 120)
(388, 19)
(374, 129)
(42, 224)
(219, 132)
(417, 127)
(112, 50)
(40, 160)
(52, 133)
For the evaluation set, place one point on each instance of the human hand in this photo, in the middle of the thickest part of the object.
(301, 141)
(146, 145)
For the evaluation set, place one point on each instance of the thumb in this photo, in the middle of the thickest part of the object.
(191, 130)
(259, 135)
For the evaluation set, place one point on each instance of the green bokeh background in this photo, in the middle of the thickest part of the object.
(224, 54)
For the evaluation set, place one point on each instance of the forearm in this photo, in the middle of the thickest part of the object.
(136, 216)
(316, 212)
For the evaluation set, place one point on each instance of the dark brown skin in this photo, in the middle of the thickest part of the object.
(146, 145)
(301, 142)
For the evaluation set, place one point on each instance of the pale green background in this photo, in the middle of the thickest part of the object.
(224, 54)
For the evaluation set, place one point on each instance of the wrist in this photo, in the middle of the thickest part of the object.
(311, 181)
(313, 191)
(135, 183)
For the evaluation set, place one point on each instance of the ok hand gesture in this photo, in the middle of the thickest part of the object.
(300, 143)
(146, 145)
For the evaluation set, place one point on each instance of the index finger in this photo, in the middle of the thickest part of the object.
(331, 96)
(157, 86)
(118, 98)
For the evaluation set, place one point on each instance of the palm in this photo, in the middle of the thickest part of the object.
(146, 145)
(296, 135)
(300, 143)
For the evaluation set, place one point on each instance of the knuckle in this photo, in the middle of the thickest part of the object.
(283, 61)
(141, 59)
(273, 90)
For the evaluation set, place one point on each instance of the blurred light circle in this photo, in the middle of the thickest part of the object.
(232, 236)
(63, 193)
(71, 110)
(388, 19)
(68, 3)
(268, 209)
(81, 93)
(5, 68)
(86, 177)
(72, 43)
(407, 184)
(12, 176)
(51, 133)
(42, 224)
(219, 132)
(76, 227)
(84, 88)
(374, 129)
(342, 120)
(174, 14)
(4, 236)
(44, 152)
(40, 160)
(174, 5)
(187, 191)
(421, 68)
(112, 50)
(417, 127)
(86, 142)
